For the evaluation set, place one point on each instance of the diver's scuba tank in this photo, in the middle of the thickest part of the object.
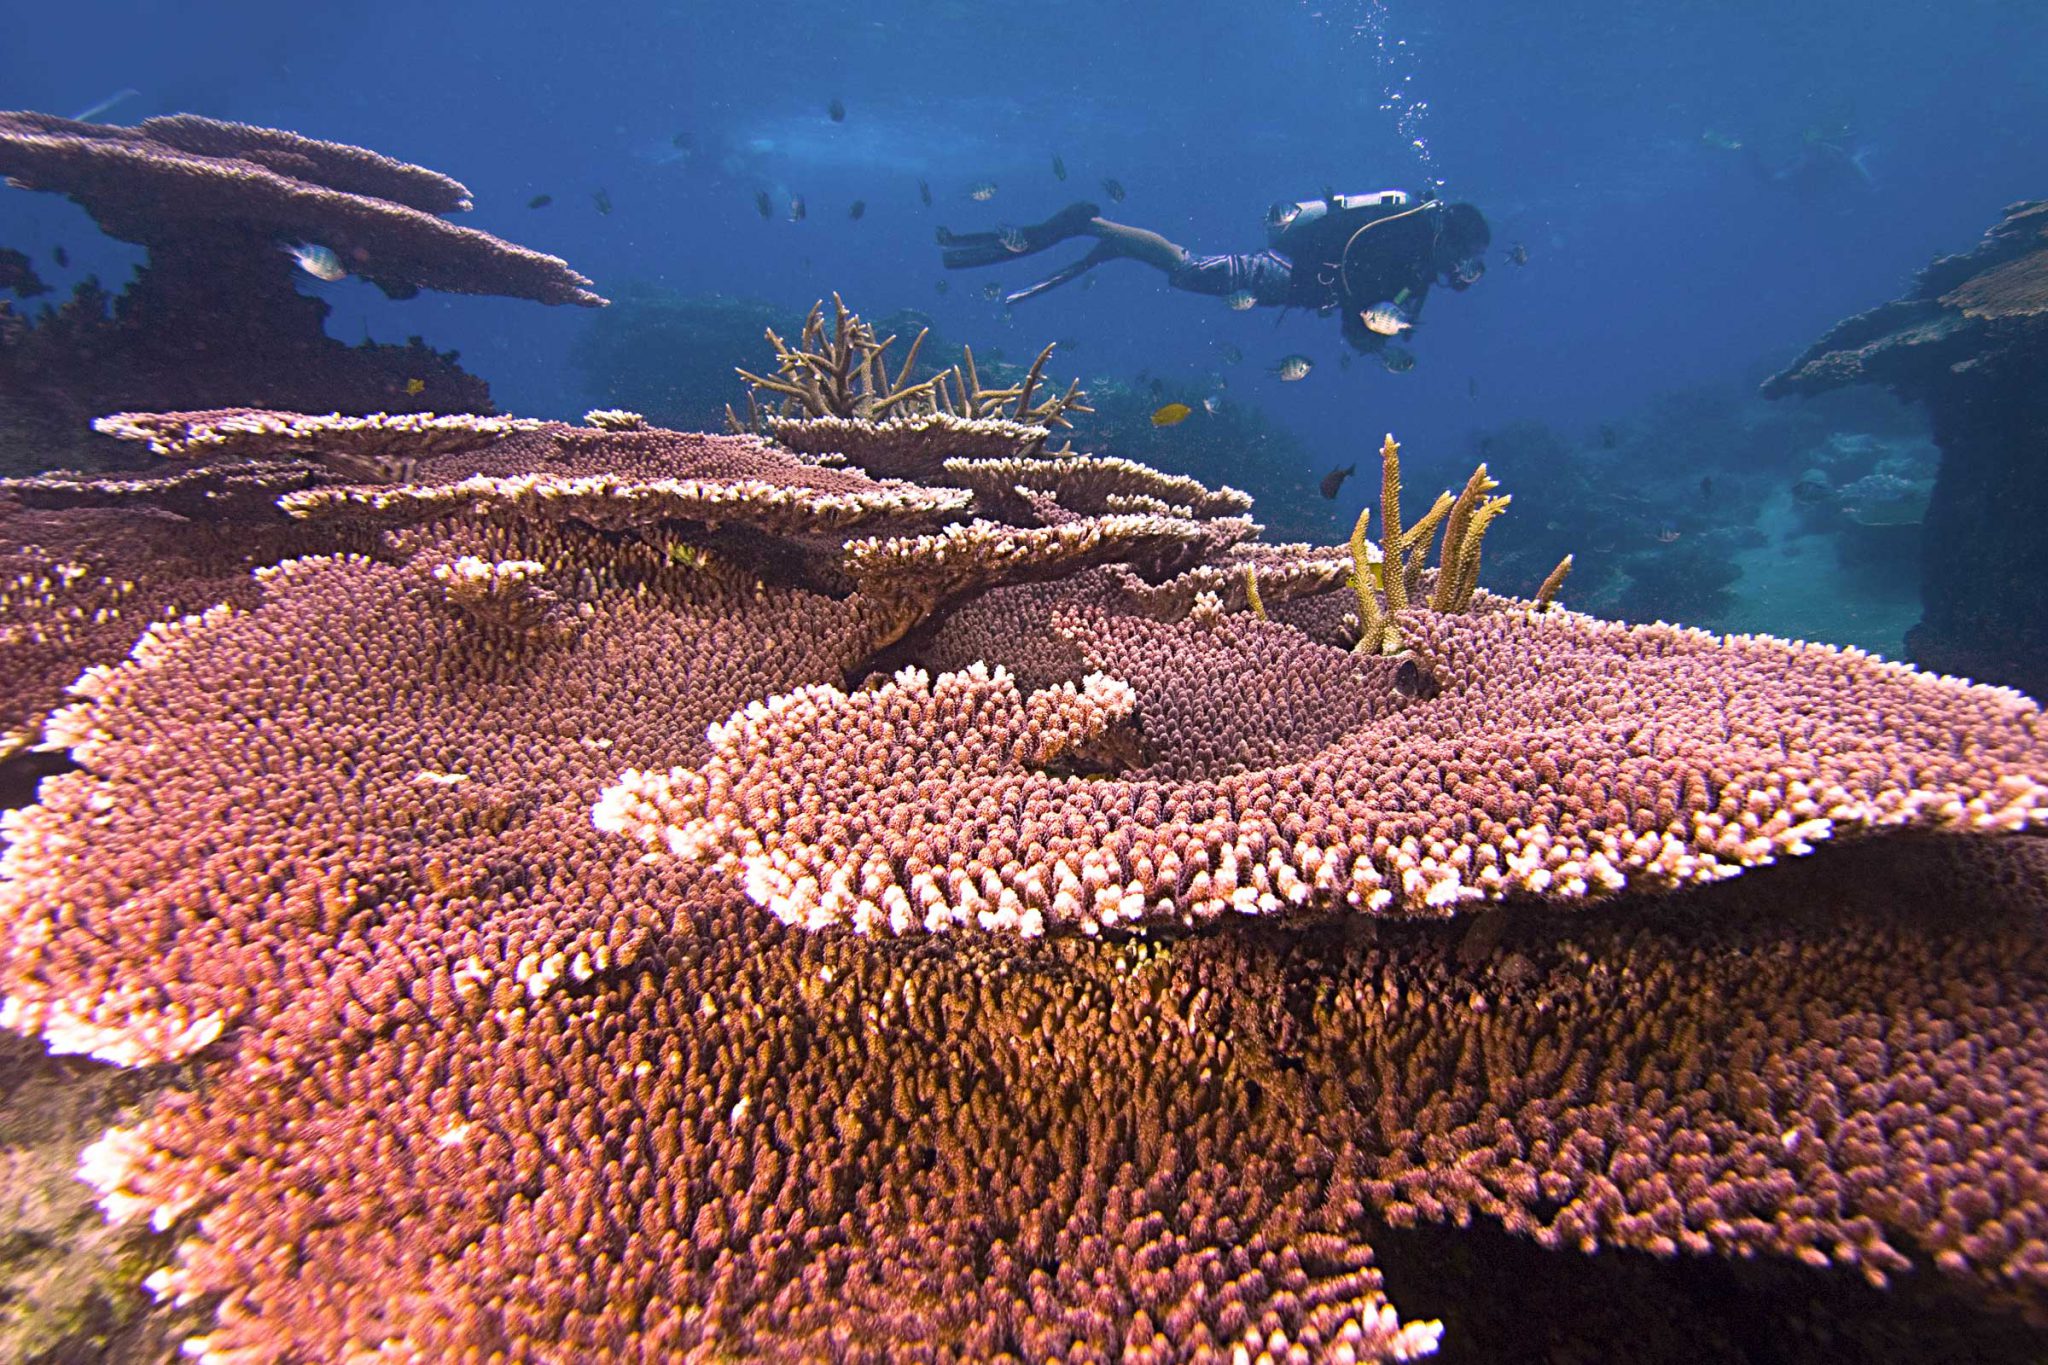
(1292, 228)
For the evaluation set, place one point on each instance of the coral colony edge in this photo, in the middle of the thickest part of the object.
(869, 886)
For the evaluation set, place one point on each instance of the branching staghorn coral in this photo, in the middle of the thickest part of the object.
(1546, 594)
(959, 391)
(846, 375)
(1391, 585)
(1458, 560)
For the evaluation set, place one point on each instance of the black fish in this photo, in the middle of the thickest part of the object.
(540, 201)
(764, 203)
(858, 207)
(1706, 485)
(602, 199)
(924, 192)
(836, 111)
(797, 210)
(1334, 480)
(61, 257)
(1114, 189)
(1157, 388)
(1413, 681)
(942, 285)
(1518, 254)
(1059, 167)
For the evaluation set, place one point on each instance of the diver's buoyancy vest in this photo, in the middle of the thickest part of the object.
(1324, 225)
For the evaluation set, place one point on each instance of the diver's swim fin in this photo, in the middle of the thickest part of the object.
(1104, 251)
(965, 250)
(970, 249)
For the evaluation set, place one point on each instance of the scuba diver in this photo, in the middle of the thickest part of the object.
(1371, 258)
(1822, 168)
(1828, 165)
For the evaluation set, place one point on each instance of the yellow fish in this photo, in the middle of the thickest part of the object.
(415, 387)
(1173, 414)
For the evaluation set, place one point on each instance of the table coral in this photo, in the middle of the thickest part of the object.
(484, 1078)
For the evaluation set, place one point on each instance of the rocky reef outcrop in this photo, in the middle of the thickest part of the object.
(1969, 342)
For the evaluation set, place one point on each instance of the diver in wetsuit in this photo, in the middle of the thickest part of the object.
(1371, 258)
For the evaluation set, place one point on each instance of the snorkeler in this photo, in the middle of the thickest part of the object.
(1371, 258)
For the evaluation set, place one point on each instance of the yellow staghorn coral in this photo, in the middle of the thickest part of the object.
(1546, 594)
(1251, 591)
(1366, 576)
(1393, 584)
(1398, 577)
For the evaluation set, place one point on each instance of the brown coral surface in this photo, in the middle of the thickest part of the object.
(481, 1079)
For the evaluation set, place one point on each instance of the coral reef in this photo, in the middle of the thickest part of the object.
(1969, 342)
(832, 397)
(1223, 444)
(215, 318)
(499, 878)
(1093, 484)
(87, 564)
(18, 276)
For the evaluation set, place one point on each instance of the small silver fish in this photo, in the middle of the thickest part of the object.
(1385, 319)
(797, 209)
(318, 261)
(1293, 367)
(1212, 405)
(1013, 240)
(1239, 300)
(981, 191)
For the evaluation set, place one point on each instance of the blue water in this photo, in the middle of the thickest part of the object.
(1657, 261)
